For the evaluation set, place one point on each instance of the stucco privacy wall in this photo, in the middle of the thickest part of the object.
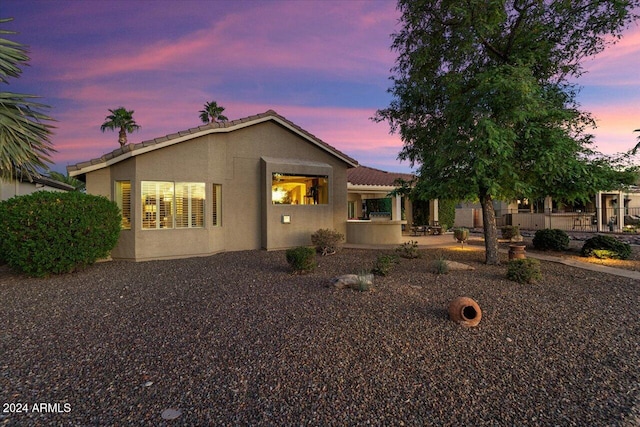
(303, 220)
(238, 161)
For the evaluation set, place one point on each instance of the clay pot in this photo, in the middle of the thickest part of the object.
(517, 252)
(465, 311)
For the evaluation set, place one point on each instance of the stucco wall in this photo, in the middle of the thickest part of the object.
(232, 160)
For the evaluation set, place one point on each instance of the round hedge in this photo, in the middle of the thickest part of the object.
(602, 246)
(551, 239)
(52, 232)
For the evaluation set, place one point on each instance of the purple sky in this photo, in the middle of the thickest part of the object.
(324, 65)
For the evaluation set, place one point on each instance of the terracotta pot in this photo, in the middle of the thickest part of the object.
(517, 252)
(465, 311)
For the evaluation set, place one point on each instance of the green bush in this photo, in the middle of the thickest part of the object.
(301, 259)
(551, 239)
(440, 266)
(327, 241)
(50, 233)
(510, 231)
(383, 264)
(408, 250)
(602, 246)
(524, 270)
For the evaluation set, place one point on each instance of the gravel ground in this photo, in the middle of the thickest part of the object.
(236, 339)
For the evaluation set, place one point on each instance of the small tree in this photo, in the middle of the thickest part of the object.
(484, 103)
(121, 119)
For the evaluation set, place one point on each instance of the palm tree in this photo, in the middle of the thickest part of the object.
(635, 149)
(122, 119)
(212, 113)
(25, 146)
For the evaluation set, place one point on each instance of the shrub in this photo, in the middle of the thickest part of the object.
(408, 250)
(301, 259)
(440, 266)
(383, 264)
(602, 246)
(327, 241)
(551, 239)
(364, 282)
(524, 270)
(51, 232)
(510, 231)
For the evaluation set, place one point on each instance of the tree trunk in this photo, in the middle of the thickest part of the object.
(490, 230)
(122, 137)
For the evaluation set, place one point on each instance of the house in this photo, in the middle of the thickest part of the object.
(603, 212)
(21, 185)
(257, 182)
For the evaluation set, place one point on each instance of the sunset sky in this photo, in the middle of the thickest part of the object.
(325, 65)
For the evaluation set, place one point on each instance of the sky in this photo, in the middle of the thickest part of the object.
(324, 65)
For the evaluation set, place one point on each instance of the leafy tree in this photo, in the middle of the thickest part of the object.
(74, 182)
(121, 119)
(212, 112)
(484, 104)
(25, 146)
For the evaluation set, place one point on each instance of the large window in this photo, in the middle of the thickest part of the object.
(289, 189)
(123, 200)
(167, 204)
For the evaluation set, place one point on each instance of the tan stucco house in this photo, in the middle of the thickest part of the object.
(257, 182)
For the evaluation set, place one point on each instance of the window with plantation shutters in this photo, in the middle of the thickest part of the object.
(215, 218)
(123, 200)
(157, 204)
(190, 199)
(167, 204)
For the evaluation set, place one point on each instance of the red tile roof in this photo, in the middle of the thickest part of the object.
(363, 175)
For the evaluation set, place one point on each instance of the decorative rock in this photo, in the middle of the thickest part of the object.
(454, 265)
(171, 414)
(350, 281)
(465, 311)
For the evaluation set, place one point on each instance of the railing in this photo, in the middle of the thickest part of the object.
(574, 221)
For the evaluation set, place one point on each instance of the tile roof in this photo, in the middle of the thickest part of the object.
(130, 150)
(363, 175)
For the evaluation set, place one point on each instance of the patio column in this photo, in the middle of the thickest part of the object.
(433, 211)
(396, 208)
(599, 211)
(620, 211)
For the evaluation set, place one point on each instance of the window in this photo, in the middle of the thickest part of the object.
(167, 204)
(215, 211)
(123, 200)
(190, 200)
(289, 189)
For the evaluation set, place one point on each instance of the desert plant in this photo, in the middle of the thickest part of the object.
(302, 259)
(364, 282)
(50, 232)
(602, 246)
(510, 231)
(551, 239)
(326, 241)
(440, 266)
(383, 264)
(524, 270)
(408, 250)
